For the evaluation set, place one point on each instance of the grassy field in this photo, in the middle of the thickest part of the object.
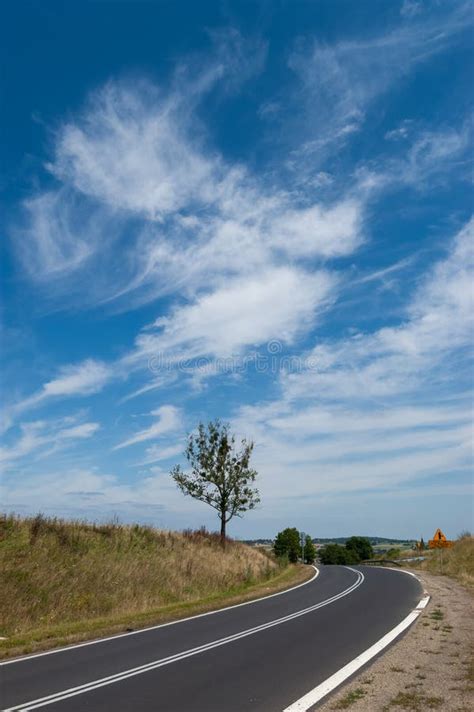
(63, 581)
(457, 562)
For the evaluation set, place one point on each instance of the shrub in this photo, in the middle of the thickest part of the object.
(361, 546)
(337, 554)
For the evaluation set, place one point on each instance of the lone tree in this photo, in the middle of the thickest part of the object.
(220, 475)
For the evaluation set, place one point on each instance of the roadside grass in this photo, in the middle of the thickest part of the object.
(64, 582)
(415, 702)
(456, 562)
(349, 699)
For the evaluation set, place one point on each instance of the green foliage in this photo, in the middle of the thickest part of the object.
(288, 543)
(357, 548)
(337, 554)
(350, 698)
(392, 554)
(361, 546)
(309, 550)
(220, 476)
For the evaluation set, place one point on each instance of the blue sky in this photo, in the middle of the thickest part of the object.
(253, 211)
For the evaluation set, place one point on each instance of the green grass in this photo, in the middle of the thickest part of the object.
(349, 699)
(416, 701)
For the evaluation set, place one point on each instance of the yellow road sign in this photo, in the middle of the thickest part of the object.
(439, 541)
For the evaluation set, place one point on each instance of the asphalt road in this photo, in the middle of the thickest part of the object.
(260, 656)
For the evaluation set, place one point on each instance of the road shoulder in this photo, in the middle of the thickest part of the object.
(429, 668)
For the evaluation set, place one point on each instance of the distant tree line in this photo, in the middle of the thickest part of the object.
(289, 544)
(356, 549)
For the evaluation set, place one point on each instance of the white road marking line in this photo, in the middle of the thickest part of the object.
(401, 571)
(111, 679)
(424, 602)
(65, 648)
(316, 694)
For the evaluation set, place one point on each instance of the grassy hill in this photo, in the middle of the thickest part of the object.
(457, 562)
(63, 579)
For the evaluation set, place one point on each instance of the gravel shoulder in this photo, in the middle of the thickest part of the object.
(430, 668)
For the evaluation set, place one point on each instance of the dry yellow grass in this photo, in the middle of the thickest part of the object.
(56, 572)
(457, 562)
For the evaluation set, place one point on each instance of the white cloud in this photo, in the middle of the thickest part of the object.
(169, 420)
(74, 380)
(401, 132)
(340, 82)
(329, 232)
(150, 209)
(324, 449)
(56, 238)
(157, 453)
(37, 434)
(82, 379)
(130, 151)
(435, 152)
(87, 492)
(274, 304)
(378, 409)
(394, 360)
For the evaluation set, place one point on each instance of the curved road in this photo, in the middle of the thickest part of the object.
(261, 656)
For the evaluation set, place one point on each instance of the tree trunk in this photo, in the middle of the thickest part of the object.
(223, 532)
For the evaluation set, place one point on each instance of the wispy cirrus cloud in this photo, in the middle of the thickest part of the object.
(340, 82)
(80, 379)
(145, 205)
(168, 420)
(397, 359)
(36, 435)
(242, 313)
(382, 408)
(135, 171)
(73, 380)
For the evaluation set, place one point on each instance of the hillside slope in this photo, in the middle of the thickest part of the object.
(57, 574)
(457, 562)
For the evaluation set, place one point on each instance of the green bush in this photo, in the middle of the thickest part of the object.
(361, 546)
(337, 554)
(357, 548)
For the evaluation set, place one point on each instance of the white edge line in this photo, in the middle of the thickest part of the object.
(64, 649)
(324, 688)
(402, 571)
(147, 667)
